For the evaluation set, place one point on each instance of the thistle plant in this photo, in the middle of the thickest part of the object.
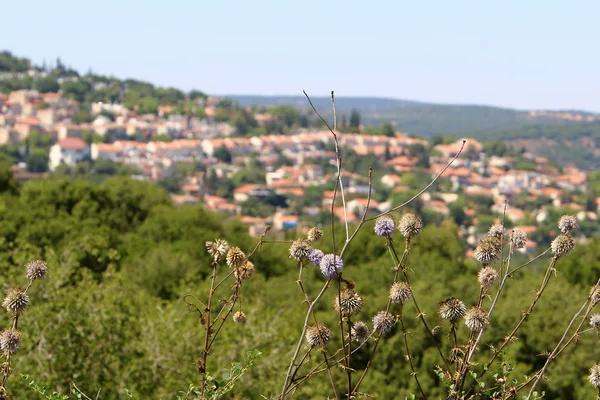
(16, 302)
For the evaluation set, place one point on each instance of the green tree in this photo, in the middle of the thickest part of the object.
(47, 84)
(37, 161)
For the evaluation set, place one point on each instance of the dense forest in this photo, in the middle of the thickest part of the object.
(111, 316)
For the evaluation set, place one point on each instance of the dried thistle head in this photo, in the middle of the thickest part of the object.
(217, 248)
(37, 269)
(330, 264)
(595, 322)
(567, 223)
(235, 257)
(315, 257)
(318, 334)
(594, 376)
(383, 321)
(518, 238)
(300, 249)
(384, 225)
(410, 225)
(562, 245)
(245, 271)
(16, 301)
(10, 340)
(496, 230)
(595, 295)
(476, 319)
(452, 309)
(400, 292)
(314, 233)
(239, 317)
(488, 249)
(359, 332)
(348, 303)
(487, 277)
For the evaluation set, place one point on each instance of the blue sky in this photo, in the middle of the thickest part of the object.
(522, 54)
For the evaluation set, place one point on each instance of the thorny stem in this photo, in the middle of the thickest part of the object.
(589, 304)
(207, 325)
(471, 347)
(405, 334)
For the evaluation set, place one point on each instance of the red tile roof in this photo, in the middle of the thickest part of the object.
(72, 143)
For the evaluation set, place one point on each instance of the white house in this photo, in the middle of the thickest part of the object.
(68, 151)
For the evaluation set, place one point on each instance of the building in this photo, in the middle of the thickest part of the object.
(68, 151)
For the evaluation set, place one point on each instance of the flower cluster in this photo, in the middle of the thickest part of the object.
(562, 245)
(567, 223)
(383, 321)
(217, 248)
(235, 257)
(487, 277)
(300, 249)
(476, 319)
(496, 230)
(488, 249)
(348, 303)
(452, 309)
(384, 226)
(330, 265)
(359, 332)
(518, 238)
(400, 292)
(314, 234)
(410, 225)
(318, 335)
(315, 257)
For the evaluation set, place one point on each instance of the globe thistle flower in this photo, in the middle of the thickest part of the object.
(245, 271)
(330, 264)
(37, 269)
(16, 301)
(318, 334)
(595, 321)
(314, 233)
(400, 292)
(359, 332)
(300, 249)
(10, 340)
(217, 248)
(488, 250)
(476, 319)
(452, 309)
(410, 225)
(487, 277)
(239, 317)
(348, 303)
(594, 376)
(496, 230)
(567, 223)
(384, 226)
(315, 257)
(518, 238)
(562, 244)
(383, 321)
(235, 257)
(595, 295)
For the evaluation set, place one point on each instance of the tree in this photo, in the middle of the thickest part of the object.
(47, 84)
(387, 129)
(37, 161)
(354, 121)
(223, 154)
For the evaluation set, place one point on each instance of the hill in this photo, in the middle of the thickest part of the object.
(425, 118)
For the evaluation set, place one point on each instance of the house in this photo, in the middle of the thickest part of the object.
(68, 151)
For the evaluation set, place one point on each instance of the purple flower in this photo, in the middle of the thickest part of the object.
(315, 257)
(384, 226)
(330, 264)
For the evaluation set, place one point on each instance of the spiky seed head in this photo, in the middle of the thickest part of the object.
(383, 321)
(595, 295)
(318, 334)
(567, 223)
(496, 230)
(594, 376)
(315, 257)
(518, 238)
(10, 340)
(359, 332)
(452, 309)
(348, 303)
(245, 271)
(400, 292)
(562, 245)
(239, 317)
(300, 249)
(330, 264)
(384, 226)
(487, 277)
(595, 321)
(314, 233)
(476, 319)
(217, 248)
(37, 269)
(410, 225)
(16, 301)
(488, 249)
(235, 257)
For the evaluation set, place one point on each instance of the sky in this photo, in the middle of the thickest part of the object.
(524, 54)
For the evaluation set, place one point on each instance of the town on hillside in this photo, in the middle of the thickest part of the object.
(286, 180)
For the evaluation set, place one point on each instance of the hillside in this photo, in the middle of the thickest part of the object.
(423, 118)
